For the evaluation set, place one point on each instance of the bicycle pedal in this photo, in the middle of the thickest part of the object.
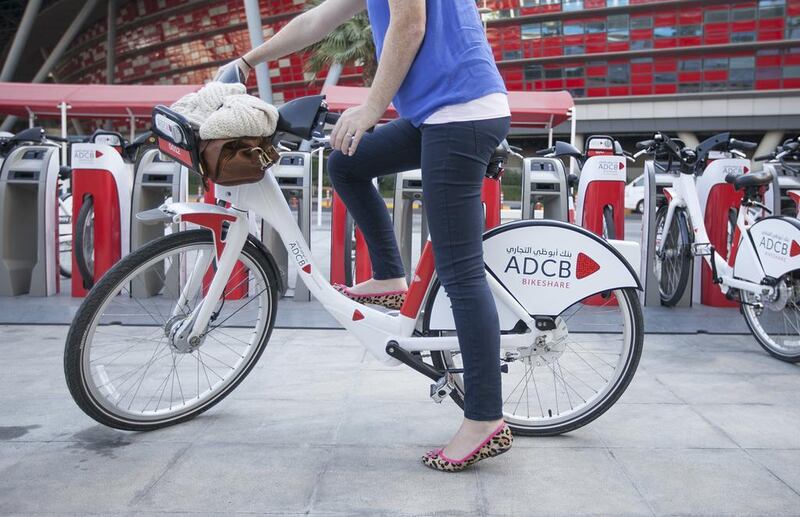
(441, 390)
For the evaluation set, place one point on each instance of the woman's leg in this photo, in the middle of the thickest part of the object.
(390, 149)
(454, 161)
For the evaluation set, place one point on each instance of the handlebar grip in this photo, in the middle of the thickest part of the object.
(645, 144)
(232, 75)
(332, 118)
(742, 145)
(545, 152)
(764, 157)
(515, 148)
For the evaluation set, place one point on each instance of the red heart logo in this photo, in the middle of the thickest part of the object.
(98, 154)
(795, 249)
(307, 268)
(357, 315)
(586, 266)
(621, 165)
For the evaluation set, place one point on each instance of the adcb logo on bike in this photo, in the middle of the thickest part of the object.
(85, 156)
(554, 268)
(778, 247)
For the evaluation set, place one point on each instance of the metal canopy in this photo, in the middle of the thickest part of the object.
(544, 110)
(87, 100)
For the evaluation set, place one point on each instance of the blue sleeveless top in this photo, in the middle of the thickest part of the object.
(454, 64)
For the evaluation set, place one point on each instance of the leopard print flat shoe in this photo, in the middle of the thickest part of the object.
(390, 299)
(497, 443)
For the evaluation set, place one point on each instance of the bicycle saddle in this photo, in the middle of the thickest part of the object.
(743, 181)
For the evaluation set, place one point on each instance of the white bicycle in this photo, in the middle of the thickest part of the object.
(174, 327)
(763, 267)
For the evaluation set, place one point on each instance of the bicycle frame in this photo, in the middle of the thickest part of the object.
(375, 329)
(684, 195)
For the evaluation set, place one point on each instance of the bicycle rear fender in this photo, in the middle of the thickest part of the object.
(771, 248)
(548, 266)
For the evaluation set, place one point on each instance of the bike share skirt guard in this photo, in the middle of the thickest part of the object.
(771, 249)
(547, 266)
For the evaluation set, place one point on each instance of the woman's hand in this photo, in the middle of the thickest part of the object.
(242, 73)
(351, 127)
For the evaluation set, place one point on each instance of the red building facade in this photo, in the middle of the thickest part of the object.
(594, 48)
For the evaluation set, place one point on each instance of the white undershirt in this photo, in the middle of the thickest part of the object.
(494, 105)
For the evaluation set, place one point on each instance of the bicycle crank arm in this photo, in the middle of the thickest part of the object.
(409, 359)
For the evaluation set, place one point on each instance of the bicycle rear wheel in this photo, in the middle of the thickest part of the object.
(775, 321)
(560, 385)
(609, 228)
(83, 241)
(673, 264)
(121, 365)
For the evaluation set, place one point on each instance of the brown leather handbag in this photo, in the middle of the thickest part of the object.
(236, 161)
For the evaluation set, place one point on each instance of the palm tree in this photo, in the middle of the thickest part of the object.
(350, 44)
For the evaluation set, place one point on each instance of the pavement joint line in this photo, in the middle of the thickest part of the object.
(480, 493)
(630, 480)
(141, 494)
(354, 381)
(773, 474)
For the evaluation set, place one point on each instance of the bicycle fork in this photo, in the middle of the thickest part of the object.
(230, 233)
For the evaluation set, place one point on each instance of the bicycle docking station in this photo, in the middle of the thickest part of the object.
(718, 199)
(601, 187)
(156, 180)
(350, 262)
(545, 185)
(787, 188)
(293, 173)
(29, 232)
(654, 198)
(99, 173)
(407, 193)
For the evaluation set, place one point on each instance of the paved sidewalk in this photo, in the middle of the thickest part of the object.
(710, 426)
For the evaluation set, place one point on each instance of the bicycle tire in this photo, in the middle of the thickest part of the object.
(107, 286)
(762, 336)
(79, 240)
(609, 228)
(631, 300)
(679, 251)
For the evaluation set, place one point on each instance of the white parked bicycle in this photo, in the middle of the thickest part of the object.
(167, 332)
(763, 268)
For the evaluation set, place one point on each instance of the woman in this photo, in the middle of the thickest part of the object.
(435, 63)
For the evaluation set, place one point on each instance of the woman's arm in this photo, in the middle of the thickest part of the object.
(403, 40)
(305, 30)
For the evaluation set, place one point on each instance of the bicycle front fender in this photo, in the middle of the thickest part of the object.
(771, 249)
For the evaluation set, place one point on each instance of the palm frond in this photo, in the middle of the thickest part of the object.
(349, 44)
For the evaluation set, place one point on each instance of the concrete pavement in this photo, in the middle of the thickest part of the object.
(708, 427)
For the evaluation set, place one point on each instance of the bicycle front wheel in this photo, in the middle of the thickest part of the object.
(123, 368)
(672, 265)
(575, 374)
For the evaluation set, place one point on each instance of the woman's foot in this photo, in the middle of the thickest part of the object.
(474, 441)
(373, 286)
(470, 435)
(385, 293)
